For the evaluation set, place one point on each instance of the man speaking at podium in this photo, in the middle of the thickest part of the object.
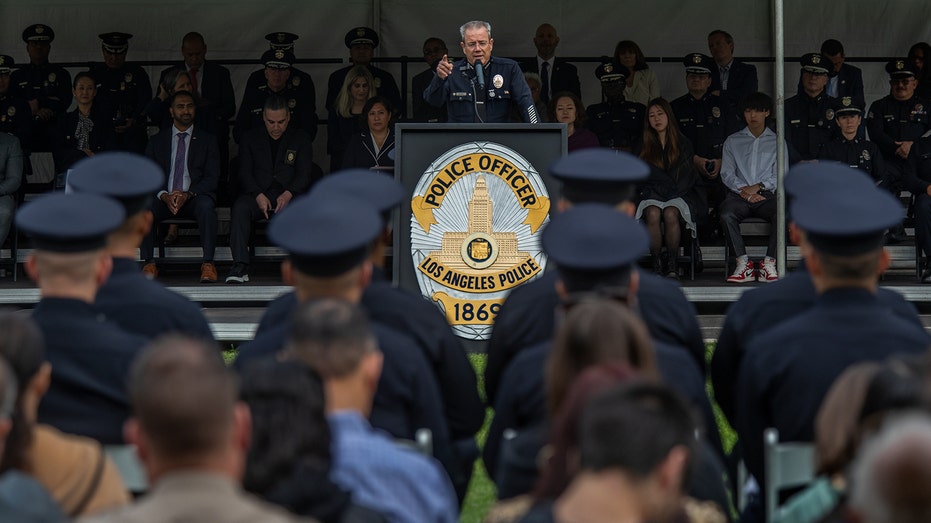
(479, 88)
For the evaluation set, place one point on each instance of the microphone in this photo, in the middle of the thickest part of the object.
(480, 74)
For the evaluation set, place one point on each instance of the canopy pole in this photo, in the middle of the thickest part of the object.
(779, 100)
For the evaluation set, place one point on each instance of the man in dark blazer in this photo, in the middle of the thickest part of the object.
(191, 161)
(212, 83)
(275, 164)
(731, 79)
(560, 75)
(433, 50)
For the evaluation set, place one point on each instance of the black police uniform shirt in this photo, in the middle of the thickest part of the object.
(300, 104)
(144, 307)
(16, 118)
(618, 125)
(857, 153)
(809, 125)
(786, 375)
(423, 322)
(528, 317)
(763, 308)
(521, 402)
(48, 84)
(706, 122)
(126, 90)
(504, 86)
(890, 120)
(384, 86)
(90, 360)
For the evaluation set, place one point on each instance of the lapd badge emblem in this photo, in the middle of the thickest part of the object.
(846, 101)
(128, 77)
(477, 214)
(296, 81)
(608, 68)
(865, 155)
(1, 60)
(40, 29)
(919, 109)
(377, 83)
(816, 59)
(290, 156)
(279, 54)
(696, 59)
(497, 81)
(11, 111)
(360, 32)
(829, 114)
(292, 103)
(716, 112)
(900, 64)
(52, 77)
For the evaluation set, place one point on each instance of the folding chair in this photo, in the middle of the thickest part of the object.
(787, 465)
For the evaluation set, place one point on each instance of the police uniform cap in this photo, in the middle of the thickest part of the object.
(697, 63)
(841, 212)
(902, 67)
(847, 105)
(594, 238)
(326, 234)
(599, 175)
(38, 33)
(115, 42)
(611, 71)
(278, 58)
(816, 63)
(281, 40)
(129, 178)
(361, 35)
(70, 223)
(6, 64)
(380, 191)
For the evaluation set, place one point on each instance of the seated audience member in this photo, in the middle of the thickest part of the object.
(90, 356)
(348, 113)
(892, 475)
(283, 81)
(289, 459)
(192, 435)
(433, 50)
(11, 177)
(918, 181)
(371, 148)
(15, 115)
(536, 85)
(616, 121)
(920, 52)
(173, 80)
(622, 474)
(85, 131)
(336, 339)
(361, 43)
(849, 147)
(567, 108)
(22, 498)
(748, 171)
(731, 79)
(556, 74)
(128, 298)
(275, 164)
(126, 89)
(669, 196)
(74, 469)
(190, 158)
(843, 79)
(44, 86)
(809, 119)
(641, 84)
(842, 244)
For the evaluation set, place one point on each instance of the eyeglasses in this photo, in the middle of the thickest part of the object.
(481, 44)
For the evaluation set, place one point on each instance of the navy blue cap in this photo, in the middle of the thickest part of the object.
(846, 105)
(599, 175)
(6, 64)
(281, 40)
(610, 71)
(902, 67)
(594, 238)
(841, 211)
(115, 42)
(326, 233)
(129, 178)
(38, 33)
(62, 222)
(361, 35)
(816, 63)
(278, 58)
(380, 191)
(697, 63)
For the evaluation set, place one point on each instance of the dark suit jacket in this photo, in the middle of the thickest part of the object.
(741, 81)
(424, 112)
(291, 168)
(203, 159)
(216, 88)
(102, 136)
(565, 76)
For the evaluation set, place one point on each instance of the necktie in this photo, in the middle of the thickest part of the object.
(545, 77)
(177, 180)
(194, 79)
(724, 71)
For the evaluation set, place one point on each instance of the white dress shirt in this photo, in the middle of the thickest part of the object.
(748, 160)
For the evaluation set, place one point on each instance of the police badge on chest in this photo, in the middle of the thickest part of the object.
(290, 157)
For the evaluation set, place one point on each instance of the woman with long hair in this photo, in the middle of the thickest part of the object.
(345, 118)
(668, 196)
(642, 85)
(567, 108)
